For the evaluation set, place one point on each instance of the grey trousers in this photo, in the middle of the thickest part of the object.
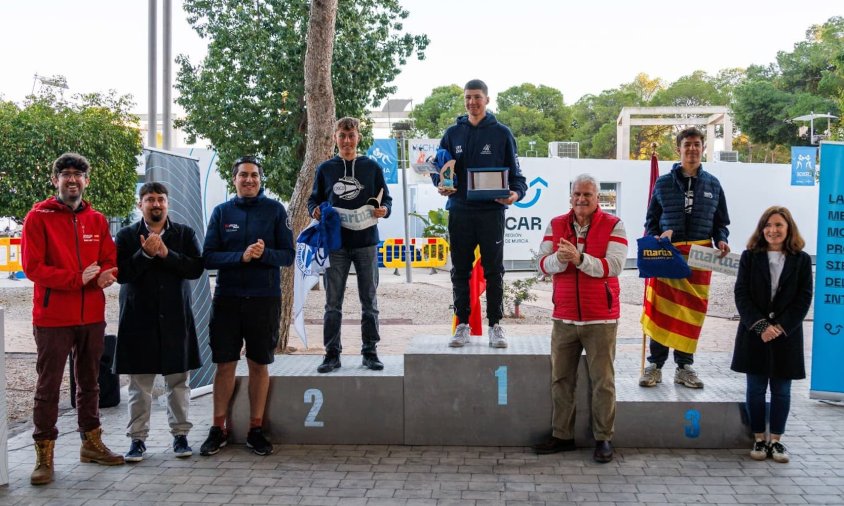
(177, 394)
(567, 343)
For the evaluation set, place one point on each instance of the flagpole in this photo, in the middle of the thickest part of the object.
(653, 177)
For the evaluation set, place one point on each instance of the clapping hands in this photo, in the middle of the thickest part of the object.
(254, 251)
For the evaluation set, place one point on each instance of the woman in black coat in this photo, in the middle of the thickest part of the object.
(773, 293)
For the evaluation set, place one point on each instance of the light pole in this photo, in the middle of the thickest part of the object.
(531, 150)
(399, 131)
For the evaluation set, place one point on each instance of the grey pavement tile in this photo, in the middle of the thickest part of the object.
(351, 501)
(413, 494)
(790, 499)
(380, 492)
(250, 499)
(651, 498)
(347, 492)
(357, 484)
(755, 499)
(377, 501)
(421, 502)
(720, 499)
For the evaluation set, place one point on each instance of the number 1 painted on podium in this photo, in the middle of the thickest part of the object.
(501, 374)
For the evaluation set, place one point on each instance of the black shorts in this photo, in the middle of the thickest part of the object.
(254, 320)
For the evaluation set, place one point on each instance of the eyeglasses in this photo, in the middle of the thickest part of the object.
(247, 159)
(73, 175)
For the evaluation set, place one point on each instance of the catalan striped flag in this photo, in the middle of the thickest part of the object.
(675, 308)
(477, 286)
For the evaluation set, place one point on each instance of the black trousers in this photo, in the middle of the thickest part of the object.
(659, 354)
(468, 229)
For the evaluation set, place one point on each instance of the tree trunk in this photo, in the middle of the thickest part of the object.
(319, 103)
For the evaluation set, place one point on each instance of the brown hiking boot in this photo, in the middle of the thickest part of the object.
(93, 450)
(43, 472)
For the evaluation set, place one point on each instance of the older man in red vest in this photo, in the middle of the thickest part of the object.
(585, 251)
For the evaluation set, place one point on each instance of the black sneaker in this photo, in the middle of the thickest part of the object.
(216, 440)
(329, 363)
(180, 446)
(136, 451)
(370, 361)
(778, 452)
(554, 445)
(257, 442)
(760, 450)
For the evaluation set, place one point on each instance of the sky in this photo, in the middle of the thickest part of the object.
(577, 47)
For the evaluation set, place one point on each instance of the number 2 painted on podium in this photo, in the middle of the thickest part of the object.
(313, 395)
(501, 374)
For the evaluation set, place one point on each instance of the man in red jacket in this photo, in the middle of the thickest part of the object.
(585, 250)
(68, 253)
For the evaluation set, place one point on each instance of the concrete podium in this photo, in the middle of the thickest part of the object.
(482, 396)
(477, 395)
(352, 405)
(673, 416)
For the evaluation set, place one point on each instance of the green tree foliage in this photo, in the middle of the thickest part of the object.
(809, 78)
(438, 111)
(535, 113)
(595, 117)
(696, 89)
(97, 126)
(816, 65)
(247, 95)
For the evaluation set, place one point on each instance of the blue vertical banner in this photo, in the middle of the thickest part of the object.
(803, 165)
(385, 153)
(828, 335)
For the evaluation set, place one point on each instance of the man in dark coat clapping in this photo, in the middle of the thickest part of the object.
(157, 335)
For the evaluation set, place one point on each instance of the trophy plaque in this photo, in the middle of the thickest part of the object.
(487, 183)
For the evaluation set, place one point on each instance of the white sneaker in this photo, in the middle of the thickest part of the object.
(460, 337)
(496, 337)
(759, 451)
(778, 452)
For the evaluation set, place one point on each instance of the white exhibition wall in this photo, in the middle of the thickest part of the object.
(750, 188)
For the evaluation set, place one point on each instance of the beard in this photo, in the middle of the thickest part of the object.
(69, 198)
(156, 218)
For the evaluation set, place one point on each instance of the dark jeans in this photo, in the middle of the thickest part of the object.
(366, 268)
(757, 387)
(54, 345)
(468, 229)
(659, 354)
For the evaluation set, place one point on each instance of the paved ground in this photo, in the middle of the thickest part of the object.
(482, 476)
(413, 475)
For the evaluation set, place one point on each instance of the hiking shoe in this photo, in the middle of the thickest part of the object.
(180, 446)
(496, 337)
(460, 337)
(257, 442)
(778, 452)
(136, 451)
(650, 376)
(217, 438)
(370, 361)
(329, 364)
(759, 451)
(687, 377)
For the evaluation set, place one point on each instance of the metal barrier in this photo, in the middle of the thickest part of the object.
(424, 252)
(10, 254)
